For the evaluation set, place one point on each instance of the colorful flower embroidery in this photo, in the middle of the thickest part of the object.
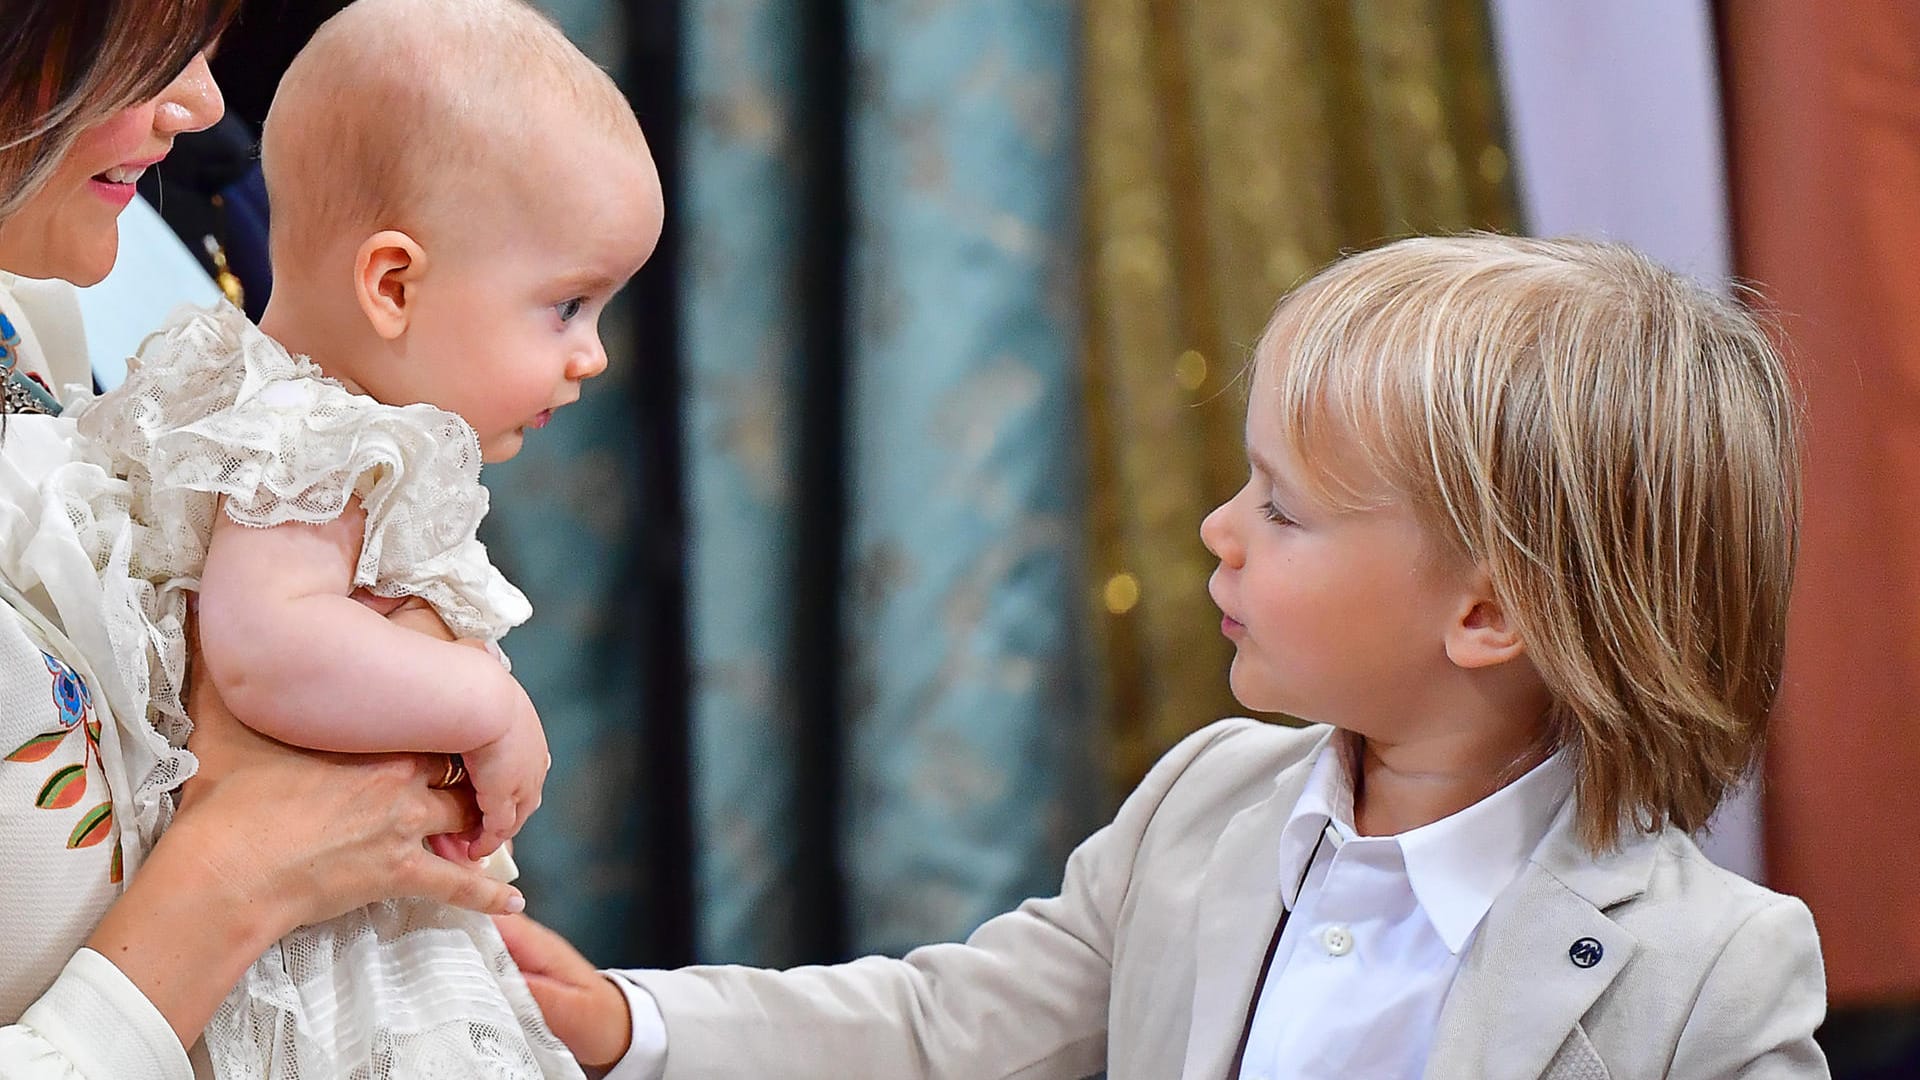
(69, 693)
(67, 785)
(9, 344)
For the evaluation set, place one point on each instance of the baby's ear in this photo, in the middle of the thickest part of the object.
(1483, 635)
(386, 279)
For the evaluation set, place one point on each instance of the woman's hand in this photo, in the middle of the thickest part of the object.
(582, 1006)
(269, 838)
(320, 834)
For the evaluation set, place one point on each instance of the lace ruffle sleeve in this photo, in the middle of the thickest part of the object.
(214, 409)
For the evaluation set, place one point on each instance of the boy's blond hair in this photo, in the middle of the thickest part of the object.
(1614, 445)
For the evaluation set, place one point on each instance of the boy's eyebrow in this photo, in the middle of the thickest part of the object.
(1279, 490)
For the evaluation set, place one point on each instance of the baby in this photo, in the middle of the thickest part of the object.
(457, 194)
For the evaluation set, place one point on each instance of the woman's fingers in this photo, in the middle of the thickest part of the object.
(449, 811)
(463, 885)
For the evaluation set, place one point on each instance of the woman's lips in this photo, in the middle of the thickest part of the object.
(118, 185)
(1229, 626)
(118, 195)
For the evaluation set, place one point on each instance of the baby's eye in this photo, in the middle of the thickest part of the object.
(568, 309)
(1274, 514)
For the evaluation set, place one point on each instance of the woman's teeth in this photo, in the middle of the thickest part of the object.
(123, 174)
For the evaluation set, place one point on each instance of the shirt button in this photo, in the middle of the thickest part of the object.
(1337, 939)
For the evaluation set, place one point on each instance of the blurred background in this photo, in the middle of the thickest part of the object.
(868, 579)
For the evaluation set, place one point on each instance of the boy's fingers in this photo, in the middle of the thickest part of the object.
(524, 943)
(540, 951)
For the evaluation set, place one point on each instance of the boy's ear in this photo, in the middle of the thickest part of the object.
(1483, 636)
(386, 278)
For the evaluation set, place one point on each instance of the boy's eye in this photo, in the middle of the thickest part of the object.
(568, 309)
(1274, 514)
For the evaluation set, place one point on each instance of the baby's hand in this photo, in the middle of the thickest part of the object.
(507, 774)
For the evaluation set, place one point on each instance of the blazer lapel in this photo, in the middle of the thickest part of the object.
(1239, 907)
(1545, 953)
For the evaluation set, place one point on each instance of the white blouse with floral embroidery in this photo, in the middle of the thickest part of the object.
(65, 762)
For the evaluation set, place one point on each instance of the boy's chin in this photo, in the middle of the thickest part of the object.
(1251, 695)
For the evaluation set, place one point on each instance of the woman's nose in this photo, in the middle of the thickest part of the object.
(191, 102)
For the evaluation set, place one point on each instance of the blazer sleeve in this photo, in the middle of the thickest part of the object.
(1024, 997)
(1760, 1002)
(92, 1024)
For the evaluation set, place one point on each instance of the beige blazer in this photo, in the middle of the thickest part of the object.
(1145, 963)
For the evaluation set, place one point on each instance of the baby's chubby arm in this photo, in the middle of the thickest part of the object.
(299, 659)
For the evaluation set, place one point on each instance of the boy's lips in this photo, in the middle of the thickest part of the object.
(540, 421)
(1228, 624)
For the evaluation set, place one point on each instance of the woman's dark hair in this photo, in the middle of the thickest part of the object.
(66, 65)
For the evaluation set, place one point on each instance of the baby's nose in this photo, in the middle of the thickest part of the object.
(588, 363)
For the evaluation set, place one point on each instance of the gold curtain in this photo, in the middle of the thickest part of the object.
(1233, 147)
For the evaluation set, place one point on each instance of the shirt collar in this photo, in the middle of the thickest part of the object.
(1456, 866)
(1326, 801)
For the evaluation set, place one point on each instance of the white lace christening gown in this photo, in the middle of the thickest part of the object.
(213, 408)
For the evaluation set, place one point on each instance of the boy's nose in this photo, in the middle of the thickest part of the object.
(1217, 534)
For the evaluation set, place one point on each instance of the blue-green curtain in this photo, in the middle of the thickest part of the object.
(596, 25)
(887, 738)
(742, 206)
(561, 526)
(936, 373)
(966, 713)
(558, 528)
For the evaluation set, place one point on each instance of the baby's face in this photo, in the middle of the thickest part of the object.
(506, 323)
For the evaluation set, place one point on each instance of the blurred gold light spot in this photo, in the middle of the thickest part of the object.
(1190, 370)
(1424, 104)
(1493, 164)
(1122, 593)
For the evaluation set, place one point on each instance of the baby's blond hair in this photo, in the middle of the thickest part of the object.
(395, 101)
(1614, 445)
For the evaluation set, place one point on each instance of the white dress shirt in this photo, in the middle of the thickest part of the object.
(647, 1058)
(1379, 923)
(1378, 928)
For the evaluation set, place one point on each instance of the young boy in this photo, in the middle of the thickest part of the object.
(1517, 538)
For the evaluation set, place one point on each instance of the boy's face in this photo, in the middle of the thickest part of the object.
(1336, 615)
(505, 325)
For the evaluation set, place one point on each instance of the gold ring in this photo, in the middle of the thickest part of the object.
(455, 774)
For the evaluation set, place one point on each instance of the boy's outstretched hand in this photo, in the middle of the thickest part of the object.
(583, 1007)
